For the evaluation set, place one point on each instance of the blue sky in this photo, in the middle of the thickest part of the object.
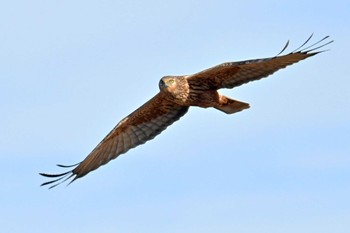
(70, 70)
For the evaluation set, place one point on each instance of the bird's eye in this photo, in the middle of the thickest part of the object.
(171, 81)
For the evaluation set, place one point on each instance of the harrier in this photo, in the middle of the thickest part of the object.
(176, 95)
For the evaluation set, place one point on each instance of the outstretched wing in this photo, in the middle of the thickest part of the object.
(139, 127)
(233, 74)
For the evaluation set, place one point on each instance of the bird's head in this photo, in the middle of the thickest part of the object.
(168, 83)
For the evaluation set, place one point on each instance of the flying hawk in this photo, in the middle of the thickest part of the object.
(176, 95)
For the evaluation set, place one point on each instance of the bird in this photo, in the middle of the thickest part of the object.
(176, 95)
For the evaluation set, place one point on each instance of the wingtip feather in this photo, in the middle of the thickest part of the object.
(310, 49)
(59, 178)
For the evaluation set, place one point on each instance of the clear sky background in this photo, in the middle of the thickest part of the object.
(70, 70)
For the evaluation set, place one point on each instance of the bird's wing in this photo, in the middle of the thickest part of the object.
(233, 74)
(140, 126)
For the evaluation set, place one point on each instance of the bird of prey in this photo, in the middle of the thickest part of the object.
(176, 95)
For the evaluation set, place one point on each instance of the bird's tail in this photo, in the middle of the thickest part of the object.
(230, 106)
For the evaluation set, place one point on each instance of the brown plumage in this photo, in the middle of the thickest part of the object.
(177, 94)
